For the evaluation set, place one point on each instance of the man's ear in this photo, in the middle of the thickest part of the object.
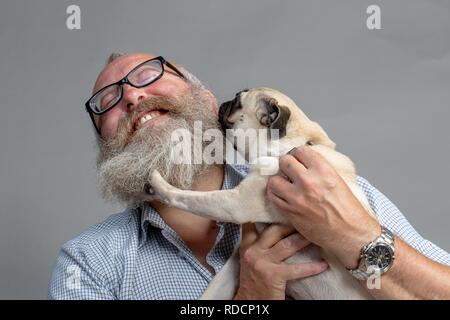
(277, 116)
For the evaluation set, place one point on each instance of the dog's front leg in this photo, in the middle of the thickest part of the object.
(245, 203)
(221, 205)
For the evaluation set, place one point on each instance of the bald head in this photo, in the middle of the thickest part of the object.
(118, 65)
(120, 57)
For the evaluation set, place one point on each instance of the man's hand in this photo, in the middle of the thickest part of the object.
(263, 273)
(321, 206)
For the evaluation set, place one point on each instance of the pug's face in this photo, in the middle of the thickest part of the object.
(254, 116)
(266, 108)
(254, 109)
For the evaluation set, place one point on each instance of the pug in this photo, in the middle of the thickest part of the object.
(267, 109)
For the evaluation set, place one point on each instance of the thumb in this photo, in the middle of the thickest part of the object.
(249, 235)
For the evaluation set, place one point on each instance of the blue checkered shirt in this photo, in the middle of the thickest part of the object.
(136, 255)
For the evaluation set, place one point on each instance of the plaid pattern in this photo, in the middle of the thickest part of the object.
(136, 255)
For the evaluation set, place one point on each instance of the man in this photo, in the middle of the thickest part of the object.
(151, 251)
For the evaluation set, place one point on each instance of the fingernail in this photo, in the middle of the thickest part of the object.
(291, 152)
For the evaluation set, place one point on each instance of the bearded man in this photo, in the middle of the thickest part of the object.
(151, 251)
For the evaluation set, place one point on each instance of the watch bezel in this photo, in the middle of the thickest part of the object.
(370, 248)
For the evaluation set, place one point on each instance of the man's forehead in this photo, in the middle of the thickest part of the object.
(119, 68)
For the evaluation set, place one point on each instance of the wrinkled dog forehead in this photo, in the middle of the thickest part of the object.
(252, 96)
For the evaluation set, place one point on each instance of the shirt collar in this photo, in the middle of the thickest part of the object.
(233, 175)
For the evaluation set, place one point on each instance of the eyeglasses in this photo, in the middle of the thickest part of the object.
(140, 76)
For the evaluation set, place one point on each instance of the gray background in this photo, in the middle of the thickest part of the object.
(383, 96)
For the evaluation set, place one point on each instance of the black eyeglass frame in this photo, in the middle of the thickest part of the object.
(125, 80)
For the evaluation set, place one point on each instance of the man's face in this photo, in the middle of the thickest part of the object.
(131, 149)
(170, 85)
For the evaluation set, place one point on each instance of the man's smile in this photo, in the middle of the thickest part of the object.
(147, 117)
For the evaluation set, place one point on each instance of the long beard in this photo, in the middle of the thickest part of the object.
(125, 162)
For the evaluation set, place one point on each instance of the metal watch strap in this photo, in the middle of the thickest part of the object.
(361, 272)
(387, 236)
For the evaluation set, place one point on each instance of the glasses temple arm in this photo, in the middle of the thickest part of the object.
(175, 69)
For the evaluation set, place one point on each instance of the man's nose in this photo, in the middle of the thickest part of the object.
(132, 96)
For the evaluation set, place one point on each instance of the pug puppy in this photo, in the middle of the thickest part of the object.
(267, 109)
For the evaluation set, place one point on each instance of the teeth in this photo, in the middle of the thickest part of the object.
(145, 118)
(149, 116)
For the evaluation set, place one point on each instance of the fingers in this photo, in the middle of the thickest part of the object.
(279, 202)
(279, 185)
(249, 235)
(296, 163)
(294, 166)
(277, 242)
(291, 167)
(302, 270)
(306, 155)
(287, 247)
(273, 234)
(280, 192)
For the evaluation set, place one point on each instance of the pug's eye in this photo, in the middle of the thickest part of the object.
(267, 119)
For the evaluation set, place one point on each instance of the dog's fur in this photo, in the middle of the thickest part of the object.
(265, 108)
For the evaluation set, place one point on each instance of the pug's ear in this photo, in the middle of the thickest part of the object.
(275, 116)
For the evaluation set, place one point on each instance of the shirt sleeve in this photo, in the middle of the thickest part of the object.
(78, 276)
(391, 217)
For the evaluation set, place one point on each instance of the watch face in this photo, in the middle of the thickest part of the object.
(380, 257)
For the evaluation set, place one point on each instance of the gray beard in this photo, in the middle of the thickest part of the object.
(124, 164)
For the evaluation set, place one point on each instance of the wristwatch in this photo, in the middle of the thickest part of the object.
(376, 257)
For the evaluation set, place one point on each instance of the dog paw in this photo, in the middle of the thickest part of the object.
(149, 189)
(267, 166)
(157, 187)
